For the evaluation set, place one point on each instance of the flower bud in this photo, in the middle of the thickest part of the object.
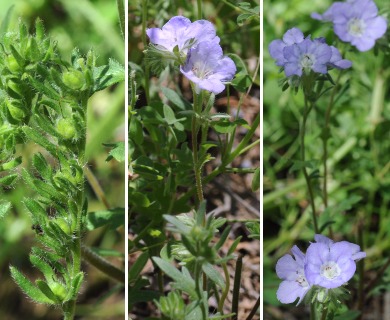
(73, 79)
(66, 128)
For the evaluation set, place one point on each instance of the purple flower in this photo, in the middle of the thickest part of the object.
(276, 47)
(356, 21)
(299, 55)
(179, 31)
(331, 264)
(306, 56)
(291, 271)
(208, 68)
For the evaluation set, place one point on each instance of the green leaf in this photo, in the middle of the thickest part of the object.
(8, 180)
(182, 281)
(42, 166)
(137, 267)
(6, 20)
(108, 75)
(169, 115)
(135, 131)
(256, 180)
(349, 315)
(42, 285)
(11, 164)
(214, 275)
(234, 246)
(180, 226)
(176, 99)
(117, 152)
(114, 218)
(139, 199)
(40, 139)
(243, 17)
(5, 206)
(76, 284)
(28, 288)
(44, 267)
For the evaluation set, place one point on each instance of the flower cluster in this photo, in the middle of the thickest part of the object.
(299, 55)
(356, 22)
(327, 265)
(195, 47)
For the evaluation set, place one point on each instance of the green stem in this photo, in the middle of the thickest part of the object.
(121, 14)
(227, 287)
(144, 17)
(194, 134)
(306, 113)
(236, 288)
(69, 307)
(199, 9)
(324, 314)
(312, 311)
(197, 276)
(102, 264)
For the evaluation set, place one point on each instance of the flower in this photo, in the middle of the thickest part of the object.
(307, 55)
(276, 47)
(299, 55)
(331, 264)
(291, 271)
(181, 32)
(208, 68)
(356, 22)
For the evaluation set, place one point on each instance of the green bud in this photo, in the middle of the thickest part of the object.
(66, 128)
(12, 64)
(74, 79)
(59, 290)
(154, 233)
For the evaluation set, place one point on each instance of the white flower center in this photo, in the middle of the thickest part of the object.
(201, 71)
(301, 279)
(330, 270)
(307, 61)
(356, 27)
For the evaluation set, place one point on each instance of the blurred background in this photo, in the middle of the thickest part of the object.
(87, 25)
(359, 153)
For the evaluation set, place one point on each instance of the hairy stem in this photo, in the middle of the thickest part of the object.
(121, 14)
(102, 264)
(302, 132)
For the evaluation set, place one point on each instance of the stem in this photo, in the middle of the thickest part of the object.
(121, 14)
(198, 289)
(69, 307)
(236, 287)
(312, 311)
(144, 17)
(102, 264)
(324, 314)
(95, 185)
(227, 287)
(194, 133)
(307, 178)
(360, 267)
(199, 9)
